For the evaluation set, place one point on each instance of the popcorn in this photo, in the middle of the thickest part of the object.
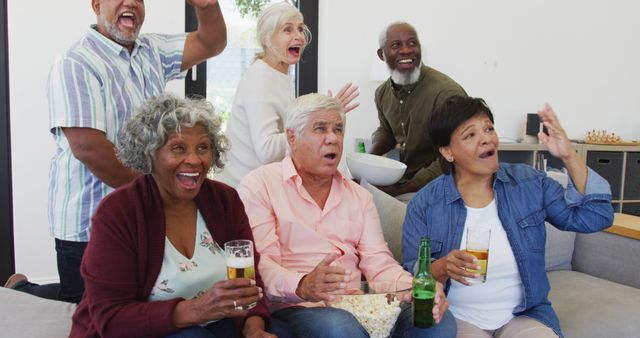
(377, 313)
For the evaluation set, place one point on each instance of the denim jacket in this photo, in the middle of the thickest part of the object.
(525, 199)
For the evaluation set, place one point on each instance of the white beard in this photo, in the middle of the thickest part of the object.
(404, 79)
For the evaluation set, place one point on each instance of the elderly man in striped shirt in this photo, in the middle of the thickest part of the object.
(93, 89)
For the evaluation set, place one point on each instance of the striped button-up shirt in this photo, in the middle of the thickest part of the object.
(98, 84)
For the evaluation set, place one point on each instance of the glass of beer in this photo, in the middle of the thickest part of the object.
(239, 256)
(478, 246)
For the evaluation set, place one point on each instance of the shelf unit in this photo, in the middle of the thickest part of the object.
(619, 165)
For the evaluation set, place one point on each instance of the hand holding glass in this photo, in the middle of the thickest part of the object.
(478, 246)
(239, 255)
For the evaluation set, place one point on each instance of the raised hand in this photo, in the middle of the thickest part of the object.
(201, 3)
(557, 141)
(322, 281)
(560, 146)
(347, 94)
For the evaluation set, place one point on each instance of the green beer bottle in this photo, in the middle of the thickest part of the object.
(361, 148)
(424, 288)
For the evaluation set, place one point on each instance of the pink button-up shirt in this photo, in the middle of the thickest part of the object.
(293, 234)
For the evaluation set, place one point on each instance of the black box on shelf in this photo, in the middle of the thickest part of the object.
(609, 165)
(631, 209)
(632, 177)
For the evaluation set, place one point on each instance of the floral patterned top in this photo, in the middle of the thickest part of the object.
(190, 277)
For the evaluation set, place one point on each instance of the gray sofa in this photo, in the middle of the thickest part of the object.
(595, 278)
(595, 281)
(23, 315)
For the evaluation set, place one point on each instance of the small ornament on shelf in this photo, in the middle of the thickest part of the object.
(603, 137)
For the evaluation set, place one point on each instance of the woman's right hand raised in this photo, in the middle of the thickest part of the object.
(347, 94)
(221, 301)
(456, 264)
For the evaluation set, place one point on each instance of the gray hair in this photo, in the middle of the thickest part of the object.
(160, 116)
(273, 18)
(299, 112)
(382, 39)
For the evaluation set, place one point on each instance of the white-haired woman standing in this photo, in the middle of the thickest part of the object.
(255, 129)
(153, 266)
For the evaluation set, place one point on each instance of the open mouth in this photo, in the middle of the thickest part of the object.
(188, 180)
(127, 19)
(487, 154)
(295, 51)
(330, 156)
(406, 64)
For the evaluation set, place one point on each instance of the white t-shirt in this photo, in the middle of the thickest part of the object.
(255, 128)
(489, 305)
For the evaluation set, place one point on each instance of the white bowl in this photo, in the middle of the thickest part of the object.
(377, 170)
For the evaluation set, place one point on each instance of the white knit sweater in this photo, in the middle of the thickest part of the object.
(255, 128)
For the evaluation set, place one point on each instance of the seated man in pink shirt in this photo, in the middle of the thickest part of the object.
(317, 231)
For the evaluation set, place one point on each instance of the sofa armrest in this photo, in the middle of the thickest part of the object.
(608, 256)
(25, 315)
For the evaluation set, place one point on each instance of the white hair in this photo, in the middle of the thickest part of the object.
(271, 19)
(300, 111)
(159, 117)
(382, 38)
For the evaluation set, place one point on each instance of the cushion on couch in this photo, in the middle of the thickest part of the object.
(609, 256)
(560, 244)
(558, 248)
(391, 213)
(591, 307)
(24, 315)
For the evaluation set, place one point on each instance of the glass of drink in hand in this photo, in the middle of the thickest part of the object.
(478, 246)
(239, 256)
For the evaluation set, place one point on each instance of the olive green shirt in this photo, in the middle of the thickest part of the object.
(403, 115)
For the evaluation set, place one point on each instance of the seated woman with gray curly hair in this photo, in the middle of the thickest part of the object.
(153, 266)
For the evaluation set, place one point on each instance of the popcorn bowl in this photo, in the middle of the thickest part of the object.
(377, 170)
(376, 305)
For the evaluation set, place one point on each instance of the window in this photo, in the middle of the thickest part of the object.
(7, 264)
(218, 78)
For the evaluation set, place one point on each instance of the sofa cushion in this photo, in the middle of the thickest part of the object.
(391, 213)
(24, 315)
(592, 307)
(608, 256)
(558, 248)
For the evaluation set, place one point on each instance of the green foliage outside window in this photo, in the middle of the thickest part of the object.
(253, 7)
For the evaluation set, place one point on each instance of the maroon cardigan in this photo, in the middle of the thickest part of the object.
(124, 257)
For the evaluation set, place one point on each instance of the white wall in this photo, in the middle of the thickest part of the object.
(38, 31)
(580, 56)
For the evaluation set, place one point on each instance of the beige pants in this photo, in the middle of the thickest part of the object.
(518, 327)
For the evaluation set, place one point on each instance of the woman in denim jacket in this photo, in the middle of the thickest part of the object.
(514, 201)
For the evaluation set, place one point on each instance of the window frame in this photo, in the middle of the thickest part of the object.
(7, 254)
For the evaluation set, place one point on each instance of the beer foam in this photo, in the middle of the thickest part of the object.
(240, 262)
